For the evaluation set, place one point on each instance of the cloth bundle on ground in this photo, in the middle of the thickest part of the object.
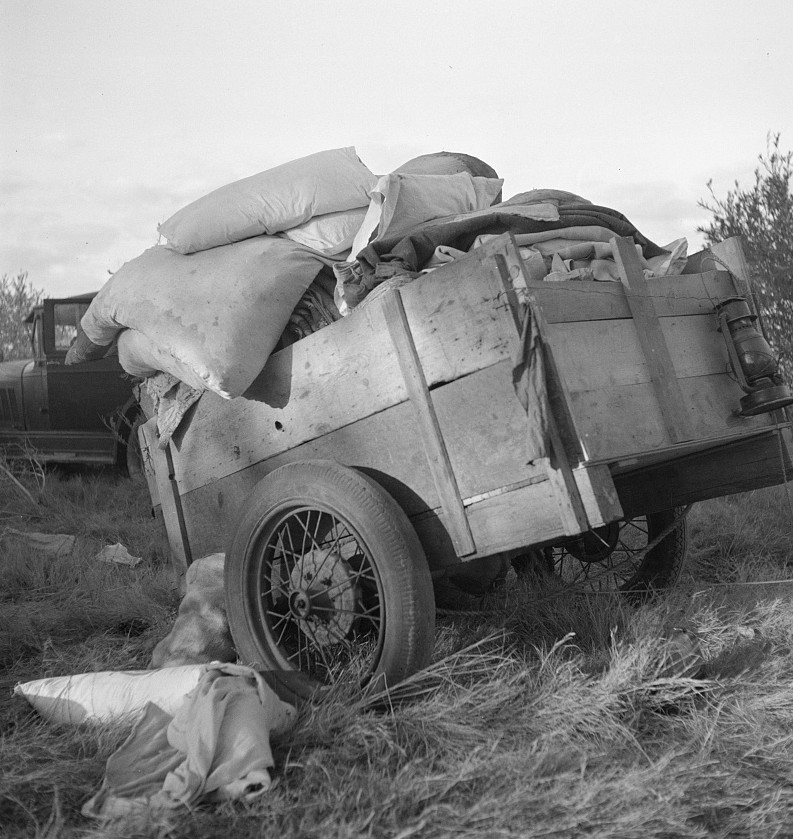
(215, 746)
(201, 630)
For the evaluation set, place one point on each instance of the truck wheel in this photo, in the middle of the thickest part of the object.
(612, 557)
(326, 579)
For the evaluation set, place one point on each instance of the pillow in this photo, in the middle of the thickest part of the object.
(331, 233)
(274, 200)
(109, 695)
(447, 163)
(402, 201)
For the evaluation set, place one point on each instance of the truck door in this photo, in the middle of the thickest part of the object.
(34, 381)
(81, 396)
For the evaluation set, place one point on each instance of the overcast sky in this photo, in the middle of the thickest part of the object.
(115, 114)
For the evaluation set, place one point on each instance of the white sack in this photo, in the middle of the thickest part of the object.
(271, 201)
(108, 696)
(332, 233)
(211, 318)
(401, 201)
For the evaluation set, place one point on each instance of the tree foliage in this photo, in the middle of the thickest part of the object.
(17, 298)
(763, 216)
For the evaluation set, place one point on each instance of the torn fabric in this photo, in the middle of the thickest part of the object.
(528, 379)
(215, 747)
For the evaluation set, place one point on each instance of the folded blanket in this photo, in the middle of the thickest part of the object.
(416, 248)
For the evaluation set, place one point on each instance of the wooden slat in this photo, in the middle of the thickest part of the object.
(673, 296)
(653, 343)
(512, 274)
(598, 494)
(525, 516)
(170, 501)
(607, 353)
(740, 466)
(484, 427)
(428, 426)
(147, 438)
(616, 421)
(560, 472)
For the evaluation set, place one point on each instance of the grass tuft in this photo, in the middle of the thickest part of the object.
(548, 714)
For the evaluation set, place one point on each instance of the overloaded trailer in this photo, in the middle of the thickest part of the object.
(469, 418)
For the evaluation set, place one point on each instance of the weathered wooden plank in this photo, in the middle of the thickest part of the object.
(459, 315)
(605, 353)
(428, 427)
(560, 472)
(147, 439)
(740, 466)
(617, 422)
(598, 494)
(525, 516)
(170, 502)
(484, 426)
(673, 296)
(511, 272)
(653, 343)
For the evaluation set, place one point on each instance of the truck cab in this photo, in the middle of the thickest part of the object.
(81, 414)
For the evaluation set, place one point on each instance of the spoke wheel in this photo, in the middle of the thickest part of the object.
(325, 576)
(613, 558)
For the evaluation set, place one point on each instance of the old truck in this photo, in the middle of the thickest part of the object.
(82, 414)
(468, 417)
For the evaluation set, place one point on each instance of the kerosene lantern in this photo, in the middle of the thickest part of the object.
(752, 359)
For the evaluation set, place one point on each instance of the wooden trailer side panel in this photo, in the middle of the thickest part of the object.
(509, 503)
(633, 390)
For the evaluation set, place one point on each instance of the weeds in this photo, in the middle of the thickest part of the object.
(549, 714)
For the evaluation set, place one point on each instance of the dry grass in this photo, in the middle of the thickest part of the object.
(562, 716)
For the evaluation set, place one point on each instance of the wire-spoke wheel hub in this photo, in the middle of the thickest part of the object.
(319, 596)
(622, 556)
(325, 597)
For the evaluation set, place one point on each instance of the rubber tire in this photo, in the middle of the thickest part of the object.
(407, 605)
(660, 569)
(663, 565)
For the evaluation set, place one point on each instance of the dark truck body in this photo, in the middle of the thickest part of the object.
(78, 414)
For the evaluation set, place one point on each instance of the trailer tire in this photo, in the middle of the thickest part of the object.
(326, 580)
(610, 558)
